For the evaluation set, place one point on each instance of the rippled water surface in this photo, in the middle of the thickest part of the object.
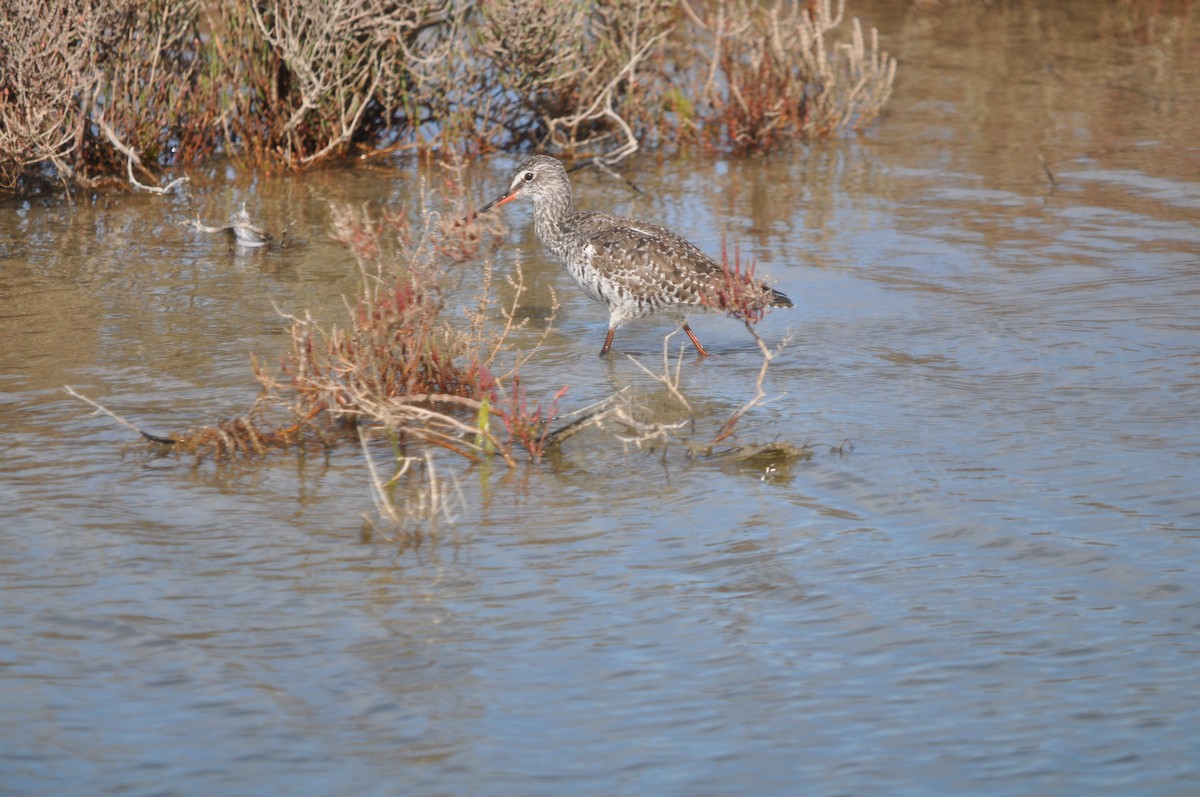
(991, 590)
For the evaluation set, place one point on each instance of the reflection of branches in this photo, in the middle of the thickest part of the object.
(760, 395)
(667, 379)
(426, 497)
(639, 425)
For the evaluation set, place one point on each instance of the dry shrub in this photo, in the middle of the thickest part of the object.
(53, 58)
(771, 73)
(333, 60)
(92, 90)
(546, 74)
(401, 370)
(398, 362)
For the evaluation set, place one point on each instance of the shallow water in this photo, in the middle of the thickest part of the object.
(991, 590)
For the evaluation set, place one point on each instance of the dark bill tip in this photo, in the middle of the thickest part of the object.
(508, 196)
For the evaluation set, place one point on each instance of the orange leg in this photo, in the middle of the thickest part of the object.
(608, 341)
(695, 340)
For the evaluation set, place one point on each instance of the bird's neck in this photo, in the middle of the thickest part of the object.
(550, 214)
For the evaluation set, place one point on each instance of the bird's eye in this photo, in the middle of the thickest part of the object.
(528, 176)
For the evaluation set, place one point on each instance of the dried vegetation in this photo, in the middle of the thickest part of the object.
(98, 92)
(116, 92)
(423, 374)
(400, 362)
(772, 73)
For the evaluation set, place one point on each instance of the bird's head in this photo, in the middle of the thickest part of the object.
(540, 179)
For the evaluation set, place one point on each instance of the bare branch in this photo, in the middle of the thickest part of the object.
(102, 410)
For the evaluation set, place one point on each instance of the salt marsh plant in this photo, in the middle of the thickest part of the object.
(97, 93)
(426, 391)
(395, 363)
(773, 72)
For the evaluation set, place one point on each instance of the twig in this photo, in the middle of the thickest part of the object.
(588, 416)
(1046, 169)
(383, 504)
(105, 411)
(166, 189)
(604, 167)
(759, 393)
(671, 384)
(132, 157)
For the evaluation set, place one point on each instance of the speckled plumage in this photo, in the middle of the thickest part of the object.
(632, 267)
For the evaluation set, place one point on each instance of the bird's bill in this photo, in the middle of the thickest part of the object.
(507, 196)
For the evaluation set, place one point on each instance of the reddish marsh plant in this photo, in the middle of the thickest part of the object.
(528, 425)
(739, 293)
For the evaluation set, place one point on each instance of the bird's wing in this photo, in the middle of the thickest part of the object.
(640, 252)
(651, 259)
